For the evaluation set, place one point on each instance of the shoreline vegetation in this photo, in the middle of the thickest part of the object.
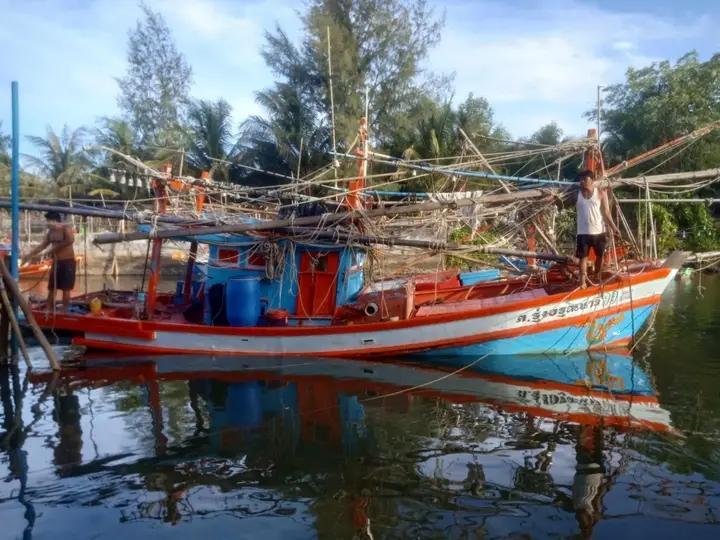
(414, 114)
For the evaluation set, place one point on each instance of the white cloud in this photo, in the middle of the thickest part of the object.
(524, 56)
(66, 55)
(624, 46)
(533, 60)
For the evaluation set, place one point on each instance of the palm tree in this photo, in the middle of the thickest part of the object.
(211, 145)
(273, 143)
(4, 146)
(119, 135)
(61, 158)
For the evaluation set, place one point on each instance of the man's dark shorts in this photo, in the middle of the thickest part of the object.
(62, 275)
(585, 241)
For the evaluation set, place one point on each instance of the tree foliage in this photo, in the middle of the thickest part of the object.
(376, 45)
(119, 135)
(549, 134)
(211, 141)
(435, 134)
(62, 158)
(155, 91)
(4, 148)
(660, 102)
(379, 45)
(654, 105)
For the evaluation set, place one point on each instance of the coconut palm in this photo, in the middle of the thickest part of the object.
(119, 135)
(210, 134)
(4, 148)
(61, 158)
(273, 143)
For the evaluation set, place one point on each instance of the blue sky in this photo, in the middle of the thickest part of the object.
(535, 60)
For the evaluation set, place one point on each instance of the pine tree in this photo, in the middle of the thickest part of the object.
(154, 92)
(376, 44)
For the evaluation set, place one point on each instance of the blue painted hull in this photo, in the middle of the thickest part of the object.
(598, 371)
(610, 330)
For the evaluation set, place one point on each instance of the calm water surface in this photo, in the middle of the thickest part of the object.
(608, 446)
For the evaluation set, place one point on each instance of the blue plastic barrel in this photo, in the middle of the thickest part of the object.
(244, 404)
(242, 301)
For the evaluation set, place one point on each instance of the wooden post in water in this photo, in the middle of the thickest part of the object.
(17, 333)
(17, 296)
(4, 331)
(15, 195)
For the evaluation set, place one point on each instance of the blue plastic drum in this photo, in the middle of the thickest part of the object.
(242, 301)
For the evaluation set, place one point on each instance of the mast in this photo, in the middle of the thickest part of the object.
(592, 159)
(353, 198)
(160, 208)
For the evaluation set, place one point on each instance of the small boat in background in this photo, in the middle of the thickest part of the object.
(33, 269)
(27, 270)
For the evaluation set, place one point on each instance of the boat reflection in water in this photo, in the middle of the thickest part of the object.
(395, 449)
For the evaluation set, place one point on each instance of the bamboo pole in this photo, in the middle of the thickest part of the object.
(652, 221)
(332, 100)
(328, 218)
(695, 200)
(700, 132)
(670, 177)
(428, 244)
(97, 212)
(507, 189)
(12, 286)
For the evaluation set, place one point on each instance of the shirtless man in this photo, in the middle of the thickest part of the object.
(59, 238)
(593, 215)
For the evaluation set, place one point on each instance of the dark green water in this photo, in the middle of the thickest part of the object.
(601, 446)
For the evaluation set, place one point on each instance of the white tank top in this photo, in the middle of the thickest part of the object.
(589, 214)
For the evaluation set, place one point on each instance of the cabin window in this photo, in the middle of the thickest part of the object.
(228, 256)
(357, 258)
(321, 263)
(256, 259)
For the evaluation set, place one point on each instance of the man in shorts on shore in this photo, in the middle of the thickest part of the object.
(60, 239)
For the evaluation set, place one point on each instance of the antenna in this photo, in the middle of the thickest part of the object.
(599, 89)
(332, 105)
(367, 130)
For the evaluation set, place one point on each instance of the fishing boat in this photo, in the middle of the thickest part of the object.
(280, 288)
(313, 300)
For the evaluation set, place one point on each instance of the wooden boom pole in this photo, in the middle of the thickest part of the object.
(426, 244)
(327, 219)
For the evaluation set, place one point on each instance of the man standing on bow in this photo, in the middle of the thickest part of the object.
(593, 215)
(59, 238)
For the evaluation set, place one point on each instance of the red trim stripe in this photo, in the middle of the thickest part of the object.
(394, 349)
(103, 325)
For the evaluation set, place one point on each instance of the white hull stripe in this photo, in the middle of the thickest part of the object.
(417, 337)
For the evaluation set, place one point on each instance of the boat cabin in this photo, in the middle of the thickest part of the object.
(250, 281)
